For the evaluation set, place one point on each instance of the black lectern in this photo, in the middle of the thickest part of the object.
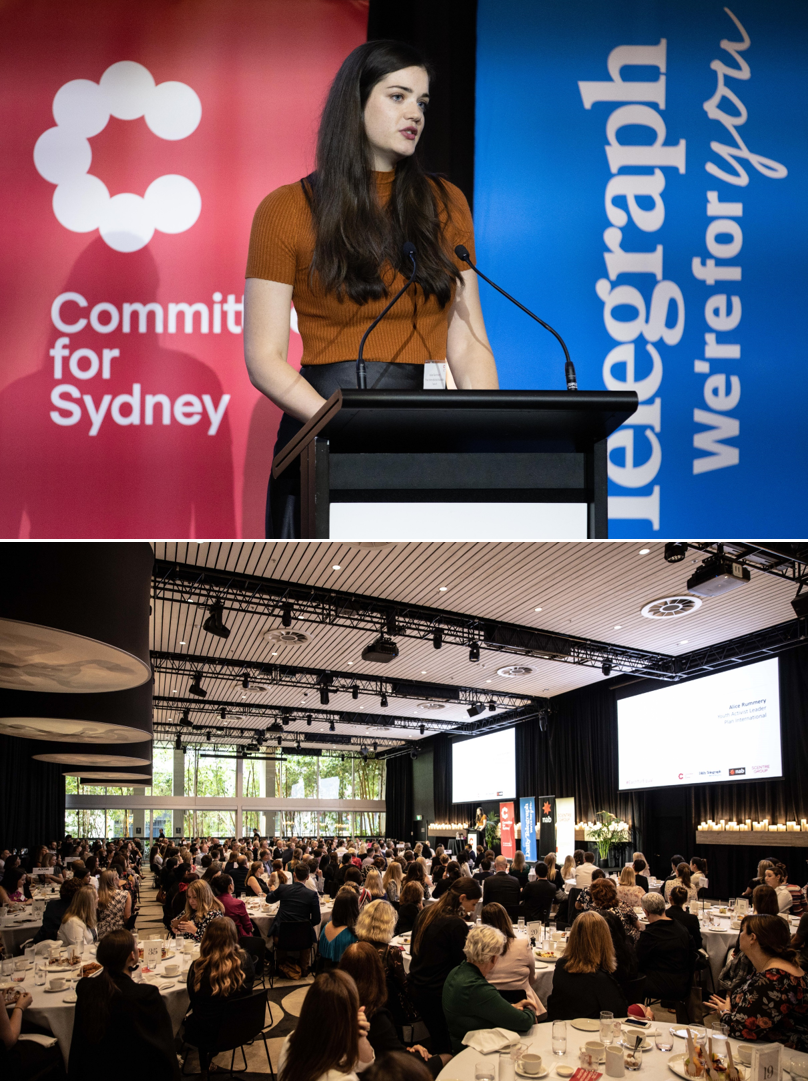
(505, 446)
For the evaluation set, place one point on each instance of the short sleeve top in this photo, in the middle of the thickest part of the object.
(413, 332)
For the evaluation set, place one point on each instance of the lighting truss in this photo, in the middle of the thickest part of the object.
(282, 675)
(201, 587)
(786, 560)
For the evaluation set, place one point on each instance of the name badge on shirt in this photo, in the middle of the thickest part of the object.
(435, 375)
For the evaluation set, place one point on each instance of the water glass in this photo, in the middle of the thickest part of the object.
(520, 923)
(606, 1026)
(7, 967)
(485, 1071)
(559, 1037)
(732, 903)
(506, 1070)
(30, 952)
(551, 927)
(40, 973)
(664, 1039)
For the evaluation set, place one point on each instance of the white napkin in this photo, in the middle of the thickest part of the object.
(40, 1038)
(486, 1040)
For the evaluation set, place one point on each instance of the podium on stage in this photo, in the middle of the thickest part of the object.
(509, 449)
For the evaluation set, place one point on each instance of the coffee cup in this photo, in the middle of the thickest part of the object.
(597, 1049)
(744, 1053)
(172, 970)
(57, 983)
(529, 1064)
(188, 945)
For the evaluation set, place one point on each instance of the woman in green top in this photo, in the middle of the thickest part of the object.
(470, 1001)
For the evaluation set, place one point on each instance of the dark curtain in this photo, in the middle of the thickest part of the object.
(399, 796)
(445, 810)
(32, 797)
(446, 33)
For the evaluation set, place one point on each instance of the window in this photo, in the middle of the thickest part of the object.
(211, 776)
(162, 770)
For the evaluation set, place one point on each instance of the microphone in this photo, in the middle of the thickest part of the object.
(569, 368)
(408, 251)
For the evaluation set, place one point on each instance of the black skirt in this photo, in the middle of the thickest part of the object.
(283, 492)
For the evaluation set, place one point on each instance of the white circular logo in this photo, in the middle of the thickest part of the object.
(62, 155)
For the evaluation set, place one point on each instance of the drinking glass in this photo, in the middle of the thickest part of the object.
(664, 1040)
(732, 903)
(551, 927)
(559, 1037)
(485, 1071)
(520, 923)
(606, 1026)
(30, 952)
(506, 1070)
(7, 967)
(40, 973)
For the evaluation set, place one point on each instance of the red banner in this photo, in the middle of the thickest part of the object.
(507, 830)
(138, 139)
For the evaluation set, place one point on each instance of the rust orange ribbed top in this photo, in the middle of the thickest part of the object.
(414, 331)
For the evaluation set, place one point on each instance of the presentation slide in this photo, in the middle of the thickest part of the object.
(724, 727)
(484, 768)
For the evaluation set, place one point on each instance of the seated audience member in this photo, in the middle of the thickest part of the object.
(376, 924)
(298, 905)
(583, 873)
(222, 887)
(676, 861)
(738, 967)
(254, 885)
(23, 1059)
(627, 890)
(799, 942)
(114, 904)
(14, 883)
(554, 876)
(665, 955)
(222, 972)
(502, 887)
(568, 870)
(681, 878)
(759, 879)
(340, 932)
(688, 920)
(578, 858)
(211, 871)
(603, 893)
(516, 968)
(484, 871)
(538, 896)
(519, 870)
(330, 1041)
(470, 1001)
(239, 873)
(777, 877)
(415, 873)
(201, 909)
(773, 1003)
(114, 1013)
(640, 877)
(437, 945)
(78, 927)
(451, 873)
(412, 902)
(55, 910)
(361, 961)
(372, 889)
(583, 901)
(604, 902)
(584, 982)
(392, 882)
(698, 872)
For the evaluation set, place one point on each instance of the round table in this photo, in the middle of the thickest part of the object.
(15, 930)
(263, 916)
(654, 1063)
(716, 941)
(56, 1010)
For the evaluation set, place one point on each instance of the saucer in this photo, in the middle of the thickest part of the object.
(54, 990)
(520, 1073)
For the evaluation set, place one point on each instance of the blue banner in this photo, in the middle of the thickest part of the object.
(639, 182)
(527, 818)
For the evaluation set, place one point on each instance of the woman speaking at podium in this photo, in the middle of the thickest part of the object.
(338, 245)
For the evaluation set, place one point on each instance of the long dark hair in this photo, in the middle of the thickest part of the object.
(772, 935)
(113, 952)
(326, 1034)
(355, 236)
(448, 905)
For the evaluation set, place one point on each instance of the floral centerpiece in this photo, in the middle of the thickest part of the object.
(607, 831)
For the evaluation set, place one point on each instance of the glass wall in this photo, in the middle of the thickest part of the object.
(162, 770)
(209, 776)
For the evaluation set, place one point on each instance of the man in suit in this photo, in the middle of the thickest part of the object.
(502, 887)
(538, 896)
(583, 874)
(484, 872)
(298, 905)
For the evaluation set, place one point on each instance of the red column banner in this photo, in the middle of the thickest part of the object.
(507, 830)
(137, 141)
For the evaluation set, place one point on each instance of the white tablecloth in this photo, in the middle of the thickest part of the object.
(16, 931)
(49, 1009)
(654, 1063)
(263, 916)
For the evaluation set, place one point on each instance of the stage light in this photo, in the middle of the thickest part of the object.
(308, 721)
(324, 699)
(474, 651)
(606, 668)
(297, 744)
(492, 706)
(213, 624)
(354, 692)
(279, 740)
(375, 747)
(383, 701)
(178, 744)
(422, 729)
(342, 758)
(284, 721)
(245, 683)
(475, 710)
(196, 686)
(286, 617)
(207, 736)
(675, 551)
(185, 720)
(223, 713)
(413, 755)
(332, 727)
(437, 639)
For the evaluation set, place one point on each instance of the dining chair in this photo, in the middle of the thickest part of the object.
(240, 1023)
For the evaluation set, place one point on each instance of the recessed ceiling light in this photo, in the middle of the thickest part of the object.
(683, 641)
(423, 671)
(182, 643)
(618, 626)
(275, 654)
(361, 707)
(488, 681)
(336, 567)
(350, 662)
(537, 609)
(644, 551)
(442, 589)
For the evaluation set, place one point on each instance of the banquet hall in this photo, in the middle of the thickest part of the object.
(300, 720)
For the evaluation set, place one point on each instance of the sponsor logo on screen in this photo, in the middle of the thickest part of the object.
(760, 769)
(709, 773)
(738, 771)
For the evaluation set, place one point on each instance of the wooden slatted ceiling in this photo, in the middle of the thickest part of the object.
(582, 588)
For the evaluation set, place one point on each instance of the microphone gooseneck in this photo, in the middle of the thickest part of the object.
(569, 368)
(408, 251)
